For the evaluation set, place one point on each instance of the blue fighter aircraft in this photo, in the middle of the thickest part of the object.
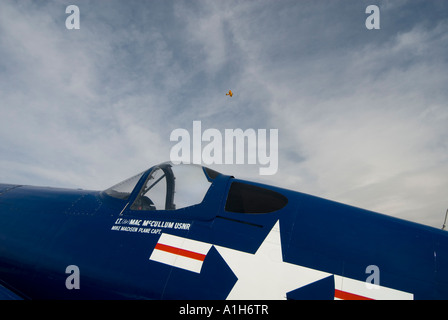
(188, 232)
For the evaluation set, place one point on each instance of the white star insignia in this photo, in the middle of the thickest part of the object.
(264, 275)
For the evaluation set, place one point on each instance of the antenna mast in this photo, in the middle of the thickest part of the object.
(444, 223)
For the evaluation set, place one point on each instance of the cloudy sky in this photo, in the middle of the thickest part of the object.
(362, 114)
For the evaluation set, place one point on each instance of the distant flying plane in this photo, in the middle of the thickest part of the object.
(188, 232)
(230, 93)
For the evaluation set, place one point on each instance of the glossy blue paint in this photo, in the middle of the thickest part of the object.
(43, 230)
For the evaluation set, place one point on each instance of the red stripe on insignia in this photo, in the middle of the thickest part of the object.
(348, 296)
(180, 252)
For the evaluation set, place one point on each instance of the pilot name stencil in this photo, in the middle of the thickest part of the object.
(147, 226)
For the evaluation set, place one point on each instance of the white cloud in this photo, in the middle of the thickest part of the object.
(375, 138)
(58, 124)
(361, 115)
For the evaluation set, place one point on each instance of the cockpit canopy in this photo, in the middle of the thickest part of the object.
(166, 187)
(170, 187)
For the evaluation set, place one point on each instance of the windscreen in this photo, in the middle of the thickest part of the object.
(124, 189)
(171, 187)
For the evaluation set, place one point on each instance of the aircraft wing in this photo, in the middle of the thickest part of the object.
(6, 294)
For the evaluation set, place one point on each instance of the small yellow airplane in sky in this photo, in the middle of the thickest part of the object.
(230, 93)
